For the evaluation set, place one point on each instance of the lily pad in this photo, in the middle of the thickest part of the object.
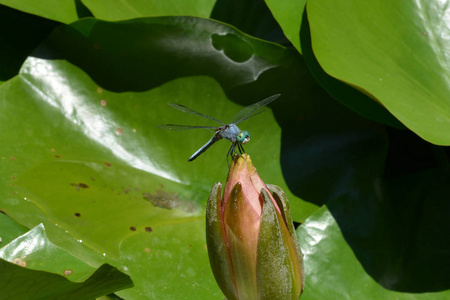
(84, 156)
(24, 256)
(393, 52)
(289, 15)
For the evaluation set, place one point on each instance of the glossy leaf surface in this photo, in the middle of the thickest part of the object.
(84, 157)
(23, 257)
(393, 52)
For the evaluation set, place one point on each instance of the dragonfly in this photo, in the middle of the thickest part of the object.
(229, 131)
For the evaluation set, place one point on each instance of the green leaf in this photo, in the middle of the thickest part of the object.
(83, 155)
(9, 229)
(36, 252)
(64, 11)
(344, 93)
(129, 9)
(33, 250)
(22, 283)
(289, 15)
(399, 62)
(235, 70)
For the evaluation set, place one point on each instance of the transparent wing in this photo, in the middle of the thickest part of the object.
(191, 111)
(185, 127)
(250, 110)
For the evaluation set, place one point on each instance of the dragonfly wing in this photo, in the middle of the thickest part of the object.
(217, 136)
(247, 112)
(191, 111)
(174, 127)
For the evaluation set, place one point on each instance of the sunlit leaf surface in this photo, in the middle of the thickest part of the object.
(83, 154)
(64, 277)
(395, 52)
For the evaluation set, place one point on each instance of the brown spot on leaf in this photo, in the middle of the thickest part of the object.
(12, 158)
(57, 156)
(103, 102)
(170, 200)
(108, 164)
(77, 215)
(147, 250)
(67, 272)
(148, 229)
(80, 185)
(132, 228)
(20, 262)
(119, 131)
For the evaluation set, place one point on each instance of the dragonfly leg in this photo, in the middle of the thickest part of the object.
(231, 152)
(241, 149)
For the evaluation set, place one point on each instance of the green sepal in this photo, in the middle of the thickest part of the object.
(219, 257)
(283, 203)
(278, 266)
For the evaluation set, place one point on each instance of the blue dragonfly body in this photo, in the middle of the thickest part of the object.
(226, 131)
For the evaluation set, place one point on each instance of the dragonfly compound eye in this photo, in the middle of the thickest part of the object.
(243, 137)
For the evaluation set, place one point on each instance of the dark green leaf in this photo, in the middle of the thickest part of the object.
(81, 140)
(252, 17)
(376, 245)
(21, 33)
(34, 263)
(21, 283)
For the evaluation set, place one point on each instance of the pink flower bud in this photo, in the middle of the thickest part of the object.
(252, 245)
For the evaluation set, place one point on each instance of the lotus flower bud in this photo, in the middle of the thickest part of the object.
(253, 249)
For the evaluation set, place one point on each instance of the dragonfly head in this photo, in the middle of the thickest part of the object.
(243, 137)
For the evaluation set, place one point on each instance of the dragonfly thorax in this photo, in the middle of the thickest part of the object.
(234, 134)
